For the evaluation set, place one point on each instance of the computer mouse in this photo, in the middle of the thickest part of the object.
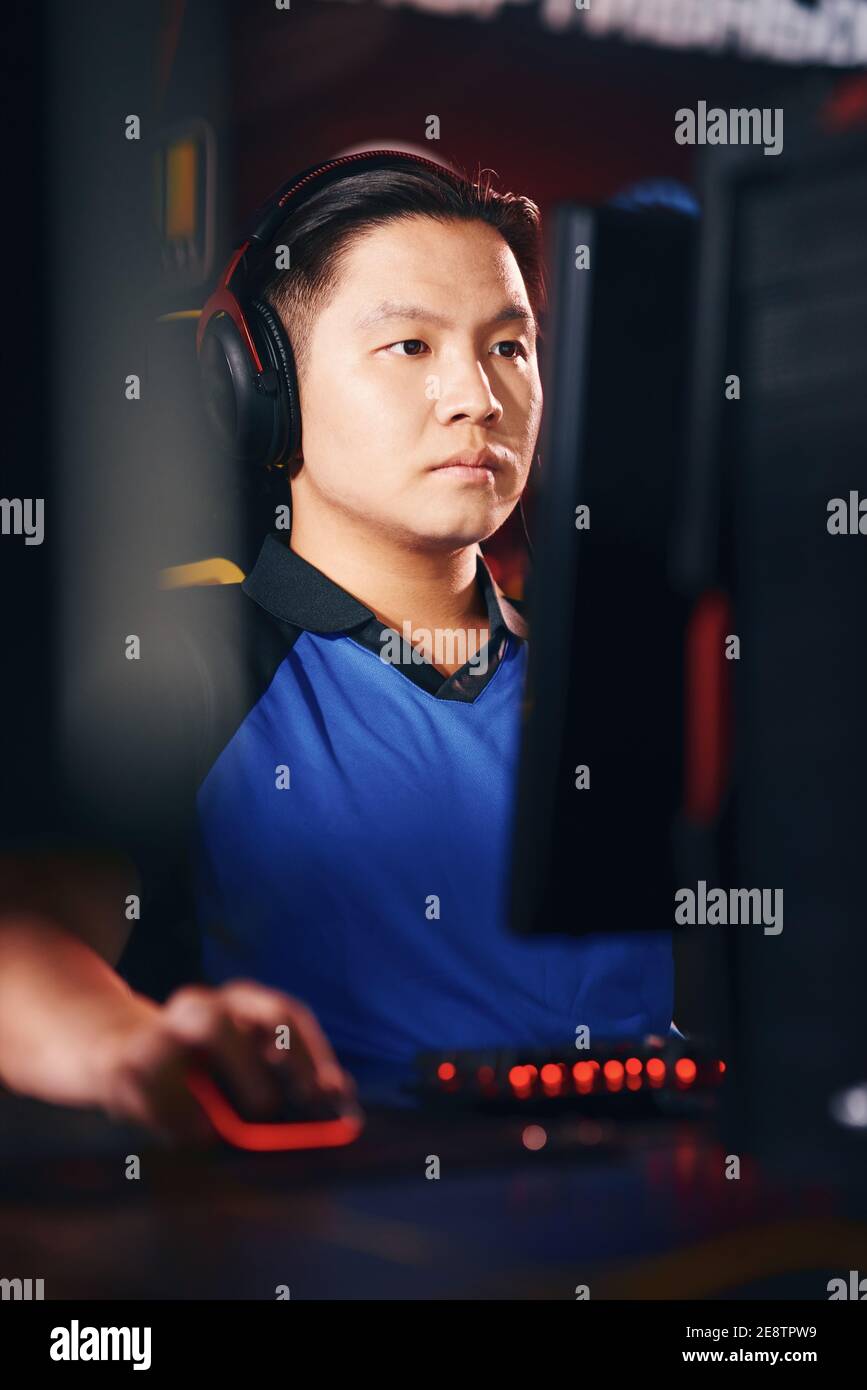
(319, 1124)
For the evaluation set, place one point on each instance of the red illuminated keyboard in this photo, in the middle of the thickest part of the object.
(610, 1078)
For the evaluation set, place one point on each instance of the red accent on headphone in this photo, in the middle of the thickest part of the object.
(361, 154)
(223, 301)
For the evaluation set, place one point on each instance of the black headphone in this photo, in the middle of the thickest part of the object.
(248, 371)
(249, 382)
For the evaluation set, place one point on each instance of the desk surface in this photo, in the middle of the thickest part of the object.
(633, 1212)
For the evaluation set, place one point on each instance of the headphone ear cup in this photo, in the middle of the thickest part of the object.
(275, 346)
(254, 415)
(242, 416)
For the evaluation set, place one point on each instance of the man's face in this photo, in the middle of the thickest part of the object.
(426, 350)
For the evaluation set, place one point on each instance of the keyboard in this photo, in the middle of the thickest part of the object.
(614, 1078)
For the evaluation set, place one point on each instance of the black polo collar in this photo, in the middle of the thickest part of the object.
(296, 592)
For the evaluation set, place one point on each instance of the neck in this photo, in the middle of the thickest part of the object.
(400, 583)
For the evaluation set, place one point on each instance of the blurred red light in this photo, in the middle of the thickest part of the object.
(685, 1070)
(446, 1071)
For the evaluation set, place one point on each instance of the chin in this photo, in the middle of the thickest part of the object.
(468, 528)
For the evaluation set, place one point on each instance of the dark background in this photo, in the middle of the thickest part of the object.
(557, 116)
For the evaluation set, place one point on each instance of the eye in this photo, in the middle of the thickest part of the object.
(413, 346)
(521, 351)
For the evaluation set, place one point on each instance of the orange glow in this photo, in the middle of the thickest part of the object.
(655, 1069)
(215, 570)
(446, 1071)
(685, 1070)
(613, 1072)
(181, 174)
(583, 1071)
(519, 1077)
(633, 1066)
(551, 1075)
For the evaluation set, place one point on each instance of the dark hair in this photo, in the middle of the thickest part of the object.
(321, 231)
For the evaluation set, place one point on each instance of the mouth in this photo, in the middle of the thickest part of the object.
(479, 465)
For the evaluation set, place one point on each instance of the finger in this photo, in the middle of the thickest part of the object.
(309, 1050)
(201, 1020)
(281, 1041)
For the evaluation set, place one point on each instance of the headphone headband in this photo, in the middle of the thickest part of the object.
(267, 220)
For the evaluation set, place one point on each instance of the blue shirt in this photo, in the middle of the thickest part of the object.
(353, 840)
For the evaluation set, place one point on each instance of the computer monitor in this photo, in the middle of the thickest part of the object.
(776, 470)
(740, 765)
(600, 781)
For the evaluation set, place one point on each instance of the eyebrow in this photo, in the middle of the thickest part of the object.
(389, 309)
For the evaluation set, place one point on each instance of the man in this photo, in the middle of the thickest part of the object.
(344, 788)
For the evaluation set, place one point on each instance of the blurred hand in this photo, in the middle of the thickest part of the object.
(229, 1032)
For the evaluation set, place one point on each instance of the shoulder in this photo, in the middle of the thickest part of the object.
(222, 637)
(217, 652)
(154, 703)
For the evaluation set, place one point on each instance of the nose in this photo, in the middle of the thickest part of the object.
(465, 394)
